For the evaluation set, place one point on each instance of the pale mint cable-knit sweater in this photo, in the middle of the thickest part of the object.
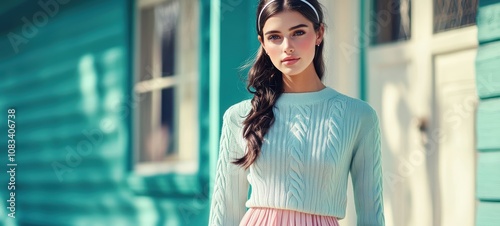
(317, 139)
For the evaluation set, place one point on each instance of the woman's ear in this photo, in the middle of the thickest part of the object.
(320, 34)
(261, 42)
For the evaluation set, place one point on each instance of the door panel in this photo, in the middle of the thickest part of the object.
(456, 104)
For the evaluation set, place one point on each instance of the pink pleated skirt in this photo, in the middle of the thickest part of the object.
(279, 217)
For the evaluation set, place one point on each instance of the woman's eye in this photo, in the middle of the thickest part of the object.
(272, 37)
(299, 33)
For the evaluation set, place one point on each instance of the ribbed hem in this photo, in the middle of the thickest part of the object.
(306, 97)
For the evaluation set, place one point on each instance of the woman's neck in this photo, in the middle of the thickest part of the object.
(306, 81)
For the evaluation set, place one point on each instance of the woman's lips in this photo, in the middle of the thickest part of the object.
(290, 61)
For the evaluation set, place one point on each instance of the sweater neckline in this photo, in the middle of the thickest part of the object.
(306, 97)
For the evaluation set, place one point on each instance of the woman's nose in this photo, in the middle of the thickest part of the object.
(287, 45)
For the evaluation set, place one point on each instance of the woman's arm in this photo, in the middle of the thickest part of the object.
(366, 173)
(231, 185)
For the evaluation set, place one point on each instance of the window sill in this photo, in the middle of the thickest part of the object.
(176, 179)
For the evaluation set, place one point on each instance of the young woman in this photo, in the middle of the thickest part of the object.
(295, 141)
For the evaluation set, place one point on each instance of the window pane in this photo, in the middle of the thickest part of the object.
(157, 126)
(145, 127)
(147, 30)
(168, 120)
(167, 22)
(390, 21)
(452, 14)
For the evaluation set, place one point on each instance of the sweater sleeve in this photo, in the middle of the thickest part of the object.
(366, 174)
(231, 186)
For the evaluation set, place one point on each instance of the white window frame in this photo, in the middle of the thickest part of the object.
(186, 82)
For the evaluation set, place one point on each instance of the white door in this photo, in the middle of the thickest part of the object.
(424, 91)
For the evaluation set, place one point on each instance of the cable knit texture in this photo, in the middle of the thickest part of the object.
(317, 139)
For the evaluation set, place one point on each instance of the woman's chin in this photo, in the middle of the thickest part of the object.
(290, 71)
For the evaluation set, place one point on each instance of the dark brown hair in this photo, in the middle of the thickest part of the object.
(265, 81)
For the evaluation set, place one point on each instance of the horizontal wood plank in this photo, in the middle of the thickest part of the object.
(488, 125)
(488, 21)
(488, 214)
(488, 70)
(488, 176)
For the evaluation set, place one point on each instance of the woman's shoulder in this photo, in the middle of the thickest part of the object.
(357, 109)
(237, 112)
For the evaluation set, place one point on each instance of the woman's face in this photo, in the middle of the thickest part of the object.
(289, 39)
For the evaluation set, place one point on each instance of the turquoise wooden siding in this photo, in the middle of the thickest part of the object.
(487, 21)
(488, 114)
(488, 125)
(488, 181)
(487, 61)
(204, 94)
(67, 78)
(233, 42)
